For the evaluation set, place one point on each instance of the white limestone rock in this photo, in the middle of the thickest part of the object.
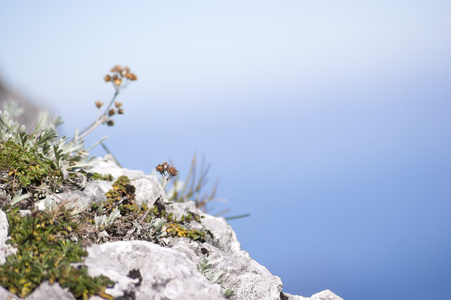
(5, 249)
(160, 273)
(324, 295)
(50, 292)
(6, 295)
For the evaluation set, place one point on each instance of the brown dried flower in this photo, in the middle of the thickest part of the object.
(110, 122)
(117, 104)
(166, 170)
(118, 76)
(131, 76)
(120, 111)
(99, 104)
(161, 168)
(172, 171)
(111, 112)
(116, 68)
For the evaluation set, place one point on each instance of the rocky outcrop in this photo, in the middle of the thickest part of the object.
(144, 270)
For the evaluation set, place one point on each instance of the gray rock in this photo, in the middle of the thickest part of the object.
(161, 273)
(50, 292)
(5, 249)
(6, 295)
(244, 276)
(324, 295)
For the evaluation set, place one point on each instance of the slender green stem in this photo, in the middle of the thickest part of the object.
(238, 217)
(148, 209)
(98, 121)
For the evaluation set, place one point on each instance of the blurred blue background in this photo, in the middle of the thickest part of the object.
(328, 121)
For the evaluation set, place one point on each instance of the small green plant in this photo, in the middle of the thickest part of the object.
(205, 268)
(45, 252)
(98, 176)
(44, 141)
(26, 170)
(122, 191)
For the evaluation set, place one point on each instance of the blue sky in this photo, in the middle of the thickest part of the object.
(327, 121)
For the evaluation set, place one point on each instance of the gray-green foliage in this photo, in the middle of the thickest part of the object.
(17, 198)
(156, 228)
(44, 141)
(103, 221)
(205, 268)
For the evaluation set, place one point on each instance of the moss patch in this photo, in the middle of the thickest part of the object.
(45, 251)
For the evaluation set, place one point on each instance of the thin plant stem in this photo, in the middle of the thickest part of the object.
(158, 196)
(237, 217)
(98, 121)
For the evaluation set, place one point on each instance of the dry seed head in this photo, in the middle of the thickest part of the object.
(111, 112)
(117, 104)
(160, 168)
(116, 68)
(110, 122)
(119, 74)
(131, 76)
(120, 111)
(99, 104)
(172, 171)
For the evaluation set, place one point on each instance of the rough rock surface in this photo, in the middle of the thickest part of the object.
(324, 295)
(5, 249)
(143, 270)
(159, 273)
